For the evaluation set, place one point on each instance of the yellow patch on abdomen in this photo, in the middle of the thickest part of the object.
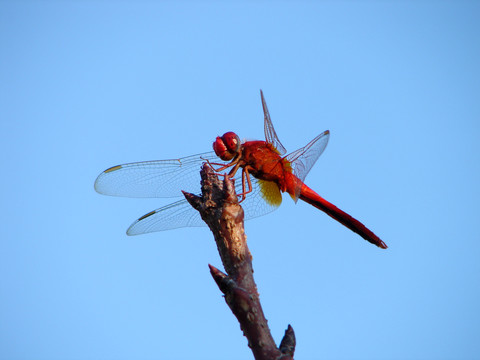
(270, 192)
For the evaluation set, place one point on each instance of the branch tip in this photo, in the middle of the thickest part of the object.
(287, 346)
(193, 200)
(224, 282)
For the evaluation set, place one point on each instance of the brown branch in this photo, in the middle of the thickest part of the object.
(220, 209)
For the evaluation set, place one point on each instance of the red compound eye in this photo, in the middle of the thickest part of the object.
(232, 141)
(227, 146)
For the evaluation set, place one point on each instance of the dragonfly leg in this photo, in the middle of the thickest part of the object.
(232, 172)
(245, 175)
(217, 167)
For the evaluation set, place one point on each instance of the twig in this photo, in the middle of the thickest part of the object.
(218, 205)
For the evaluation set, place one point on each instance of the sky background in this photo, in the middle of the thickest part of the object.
(87, 85)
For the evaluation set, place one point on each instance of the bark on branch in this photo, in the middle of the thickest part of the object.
(218, 205)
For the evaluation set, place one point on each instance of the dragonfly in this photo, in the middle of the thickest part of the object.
(261, 173)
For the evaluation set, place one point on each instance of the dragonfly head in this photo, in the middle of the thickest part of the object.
(227, 146)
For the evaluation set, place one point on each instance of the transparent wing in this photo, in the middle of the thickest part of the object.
(175, 215)
(262, 200)
(160, 178)
(304, 158)
(270, 134)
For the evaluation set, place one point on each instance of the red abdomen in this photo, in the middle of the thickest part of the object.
(311, 197)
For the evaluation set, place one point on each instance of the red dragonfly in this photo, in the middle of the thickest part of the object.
(265, 173)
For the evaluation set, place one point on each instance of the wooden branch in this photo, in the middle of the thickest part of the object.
(218, 205)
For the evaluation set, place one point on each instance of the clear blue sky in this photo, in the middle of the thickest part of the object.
(87, 85)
